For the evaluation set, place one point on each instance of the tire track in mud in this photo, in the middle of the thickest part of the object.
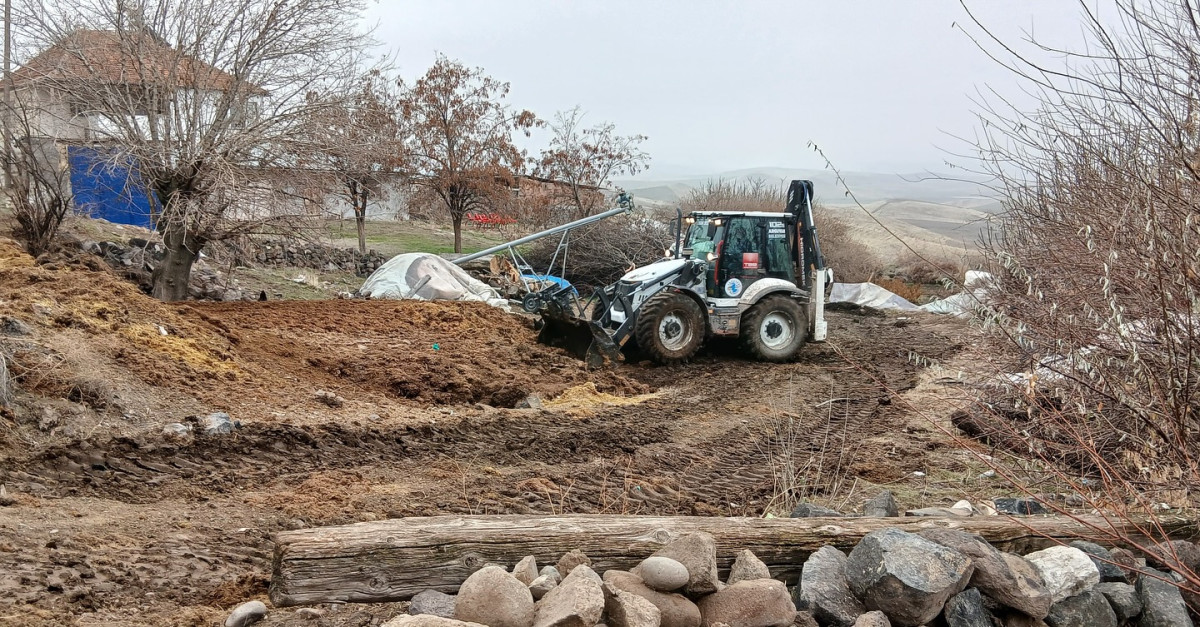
(714, 443)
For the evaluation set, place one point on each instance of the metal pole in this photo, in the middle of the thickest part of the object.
(548, 232)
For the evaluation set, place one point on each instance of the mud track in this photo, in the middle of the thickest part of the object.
(180, 531)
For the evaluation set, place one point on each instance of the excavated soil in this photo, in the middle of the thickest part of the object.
(114, 523)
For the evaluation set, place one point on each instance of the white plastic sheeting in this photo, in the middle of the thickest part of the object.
(422, 276)
(963, 303)
(869, 295)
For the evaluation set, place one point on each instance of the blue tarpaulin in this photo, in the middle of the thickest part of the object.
(108, 188)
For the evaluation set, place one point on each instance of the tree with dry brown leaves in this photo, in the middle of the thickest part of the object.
(459, 148)
(581, 162)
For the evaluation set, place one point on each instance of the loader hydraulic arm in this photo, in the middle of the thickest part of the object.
(808, 249)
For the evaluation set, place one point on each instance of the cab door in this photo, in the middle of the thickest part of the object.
(753, 248)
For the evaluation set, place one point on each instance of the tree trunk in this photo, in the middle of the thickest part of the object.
(360, 221)
(458, 218)
(392, 560)
(170, 279)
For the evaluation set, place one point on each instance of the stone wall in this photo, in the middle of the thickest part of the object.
(316, 256)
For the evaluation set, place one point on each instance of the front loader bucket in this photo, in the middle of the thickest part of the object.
(586, 340)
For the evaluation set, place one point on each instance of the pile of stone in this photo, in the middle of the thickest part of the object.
(939, 576)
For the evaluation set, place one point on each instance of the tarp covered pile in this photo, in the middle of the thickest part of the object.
(423, 276)
(876, 297)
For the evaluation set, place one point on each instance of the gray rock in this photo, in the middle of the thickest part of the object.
(576, 602)
(1017, 619)
(526, 570)
(882, 506)
(675, 609)
(310, 613)
(805, 619)
(754, 603)
(1162, 605)
(176, 431)
(747, 566)
(14, 326)
(698, 554)
(1009, 579)
(1177, 555)
(966, 609)
(1086, 609)
(540, 586)
(551, 572)
(662, 573)
(808, 510)
(533, 401)
(625, 609)
(824, 590)
(1129, 563)
(905, 576)
(6, 499)
(433, 603)
(1122, 597)
(217, 424)
(492, 597)
(1065, 570)
(568, 562)
(1103, 560)
(246, 614)
(428, 620)
(873, 619)
(1020, 507)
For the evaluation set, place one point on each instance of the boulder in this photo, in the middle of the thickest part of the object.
(1065, 570)
(526, 570)
(246, 614)
(966, 609)
(1175, 555)
(808, 510)
(746, 566)
(753, 603)
(625, 609)
(805, 619)
(1103, 560)
(576, 602)
(873, 619)
(905, 576)
(824, 590)
(698, 554)
(433, 603)
(1123, 598)
(882, 506)
(541, 586)
(1086, 609)
(1020, 507)
(1009, 579)
(662, 573)
(492, 597)
(551, 572)
(675, 610)
(568, 562)
(1129, 563)
(1162, 605)
(427, 620)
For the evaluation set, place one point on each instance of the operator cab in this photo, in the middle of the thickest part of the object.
(741, 248)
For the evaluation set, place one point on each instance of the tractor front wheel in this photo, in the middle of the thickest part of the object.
(670, 328)
(775, 329)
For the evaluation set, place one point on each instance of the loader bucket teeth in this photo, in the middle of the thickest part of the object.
(585, 340)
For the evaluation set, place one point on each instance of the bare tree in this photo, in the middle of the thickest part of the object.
(39, 188)
(1097, 291)
(581, 161)
(459, 146)
(358, 141)
(204, 96)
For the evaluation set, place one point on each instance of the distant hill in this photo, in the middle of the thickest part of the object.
(932, 212)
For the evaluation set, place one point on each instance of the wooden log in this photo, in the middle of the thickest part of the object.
(393, 560)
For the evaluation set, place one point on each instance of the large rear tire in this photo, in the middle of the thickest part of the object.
(775, 329)
(670, 328)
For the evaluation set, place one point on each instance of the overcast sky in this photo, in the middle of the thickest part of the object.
(727, 85)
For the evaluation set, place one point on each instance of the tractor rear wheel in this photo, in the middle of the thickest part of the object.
(670, 328)
(775, 329)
